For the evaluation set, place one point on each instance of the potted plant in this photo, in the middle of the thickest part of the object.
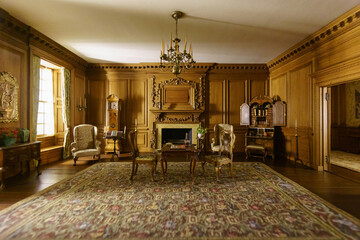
(201, 131)
(7, 136)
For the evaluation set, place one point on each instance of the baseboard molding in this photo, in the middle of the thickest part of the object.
(345, 173)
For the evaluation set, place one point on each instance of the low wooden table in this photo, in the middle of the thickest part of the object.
(189, 152)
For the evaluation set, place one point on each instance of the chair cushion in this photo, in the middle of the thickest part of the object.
(255, 147)
(217, 158)
(86, 152)
(147, 157)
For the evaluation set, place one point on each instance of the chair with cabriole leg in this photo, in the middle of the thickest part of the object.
(225, 155)
(149, 159)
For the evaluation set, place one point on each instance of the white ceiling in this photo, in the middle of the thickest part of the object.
(226, 31)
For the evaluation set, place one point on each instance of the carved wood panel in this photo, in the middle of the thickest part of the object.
(236, 97)
(216, 102)
(196, 93)
(13, 60)
(258, 87)
(139, 98)
(279, 87)
(301, 94)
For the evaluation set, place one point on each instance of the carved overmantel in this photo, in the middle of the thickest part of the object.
(178, 100)
(177, 116)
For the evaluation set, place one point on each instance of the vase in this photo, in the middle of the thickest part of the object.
(6, 141)
(24, 135)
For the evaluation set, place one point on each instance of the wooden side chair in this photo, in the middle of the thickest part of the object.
(137, 159)
(225, 155)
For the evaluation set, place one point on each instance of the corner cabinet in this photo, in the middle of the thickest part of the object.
(262, 115)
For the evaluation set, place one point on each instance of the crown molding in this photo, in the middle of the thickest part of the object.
(31, 36)
(38, 39)
(198, 67)
(342, 24)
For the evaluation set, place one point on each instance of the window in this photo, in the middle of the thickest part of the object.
(45, 122)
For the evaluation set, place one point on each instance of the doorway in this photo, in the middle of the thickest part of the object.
(343, 119)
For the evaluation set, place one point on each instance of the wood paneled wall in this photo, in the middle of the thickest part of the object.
(328, 57)
(226, 88)
(18, 44)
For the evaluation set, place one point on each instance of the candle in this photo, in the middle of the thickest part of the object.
(171, 40)
(185, 44)
(163, 47)
(135, 122)
(80, 104)
(85, 101)
(296, 124)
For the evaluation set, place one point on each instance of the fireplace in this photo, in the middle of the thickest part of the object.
(175, 133)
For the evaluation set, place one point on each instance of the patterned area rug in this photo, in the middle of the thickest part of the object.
(346, 160)
(100, 202)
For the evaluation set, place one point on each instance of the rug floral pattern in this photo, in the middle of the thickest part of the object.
(101, 202)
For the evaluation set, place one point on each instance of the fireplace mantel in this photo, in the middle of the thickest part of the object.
(176, 116)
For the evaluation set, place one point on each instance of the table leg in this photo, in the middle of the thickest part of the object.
(2, 186)
(193, 160)
(162, 167)
(38, 167)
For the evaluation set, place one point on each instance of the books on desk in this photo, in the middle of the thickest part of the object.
(113, 134)
(173, 146)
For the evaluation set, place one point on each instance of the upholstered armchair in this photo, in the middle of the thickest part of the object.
(225, 155)
(85, 143)
(218, 128)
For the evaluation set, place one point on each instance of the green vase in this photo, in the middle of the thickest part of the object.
(7, 141)
(24, 135)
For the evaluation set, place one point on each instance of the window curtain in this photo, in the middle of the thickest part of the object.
(35, 96)
(65, 96)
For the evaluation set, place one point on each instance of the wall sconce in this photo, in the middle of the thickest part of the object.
(81, 107)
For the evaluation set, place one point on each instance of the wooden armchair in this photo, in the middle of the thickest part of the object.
(137, 159)
(218, 128)
(225, 156)
(85, 143)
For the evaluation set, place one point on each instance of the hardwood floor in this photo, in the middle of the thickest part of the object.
(341, 192)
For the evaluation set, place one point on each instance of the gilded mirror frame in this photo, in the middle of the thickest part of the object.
(9, 98)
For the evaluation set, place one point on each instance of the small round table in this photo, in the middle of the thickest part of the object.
(115, 138)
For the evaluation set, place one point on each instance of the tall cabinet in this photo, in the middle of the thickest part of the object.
(262, 114)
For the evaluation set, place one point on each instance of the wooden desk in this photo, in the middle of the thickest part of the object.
(189, 152)
(266, 142)
(14, 158)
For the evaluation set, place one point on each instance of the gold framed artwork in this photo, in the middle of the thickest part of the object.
(9, 94)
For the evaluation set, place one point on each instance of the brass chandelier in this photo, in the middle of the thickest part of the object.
(173, 57)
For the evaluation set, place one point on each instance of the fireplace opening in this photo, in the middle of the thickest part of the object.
(176, 135)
